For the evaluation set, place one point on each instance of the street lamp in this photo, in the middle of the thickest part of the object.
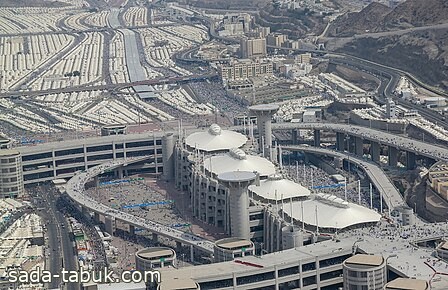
(354, 245)
(387, 271)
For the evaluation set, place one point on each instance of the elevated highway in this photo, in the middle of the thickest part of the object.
(113, 87)
(379, 179)
(384, 138)
(76, 191)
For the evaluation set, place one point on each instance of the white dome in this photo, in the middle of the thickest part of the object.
(237, 160)
(283, 187)
(215, 139)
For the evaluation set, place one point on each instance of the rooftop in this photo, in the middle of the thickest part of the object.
(278, 188)
(151, 253)
(178, 284)
(333, 212)
(232, 243)
(366, 260)
(237, 176)
(407, 284)
(237, 160)
(7, 152)
(215, 139)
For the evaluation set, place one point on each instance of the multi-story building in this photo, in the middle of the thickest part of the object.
(276, 39)
(62, 159)
(245, 69)
(365, 272)
(11, 177)
(250, 48)
(154, 258)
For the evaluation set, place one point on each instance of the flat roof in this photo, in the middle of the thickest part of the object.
(234, 244)
(237, 176)
(150, 253)
(444, 246)
(178, 284)
(93, 141)
(407, 284)
(264, 107)
(368, 260)
(8, 152)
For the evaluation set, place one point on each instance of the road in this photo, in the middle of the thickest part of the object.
(110, 87)
(385, 138)
(60, 252)
(75, 190)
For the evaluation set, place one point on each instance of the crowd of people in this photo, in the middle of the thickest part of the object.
(311, 176)
(214, 93)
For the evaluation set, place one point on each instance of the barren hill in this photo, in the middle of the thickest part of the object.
(360, 22)
(419, 13)
(377, 17)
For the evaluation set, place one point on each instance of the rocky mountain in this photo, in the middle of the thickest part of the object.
(378, 18)
(367, 20)
(418, 13)
(422, 52)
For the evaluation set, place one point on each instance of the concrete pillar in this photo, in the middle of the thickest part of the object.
(237, 183)
(96, 217)
(120, 173)
(410, 160)
(131, 230)
(85, 211)
(191, 253)
(393, 156)
(167, 156)
(96, 180)
(295, 136)
(340, 141)
(375, 151)
(155, 237)
(338, 163)
(178, 246)
(264, 115)
(359, 146)
(316, 138)
(109, 224)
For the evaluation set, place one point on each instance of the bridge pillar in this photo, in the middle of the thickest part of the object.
(96, 181)
(340, 141)
(375, 151)
(119, 173)
(359, 146)
(316, 138)
(109, 224)
(393, 156)
(131, 230)
(410, 160)
(155, 237)
(178, 246)
(85, 211)
(338, 163)
(295, 140)
(295, 136)
(96, 217)
(191, 253)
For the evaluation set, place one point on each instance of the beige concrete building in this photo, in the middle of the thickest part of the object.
(365, 272)
(245, 69)
(253, 47)
(11, 177)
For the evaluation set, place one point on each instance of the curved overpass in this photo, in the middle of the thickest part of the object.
(384, 138)
(75, 189)
(379, 179)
